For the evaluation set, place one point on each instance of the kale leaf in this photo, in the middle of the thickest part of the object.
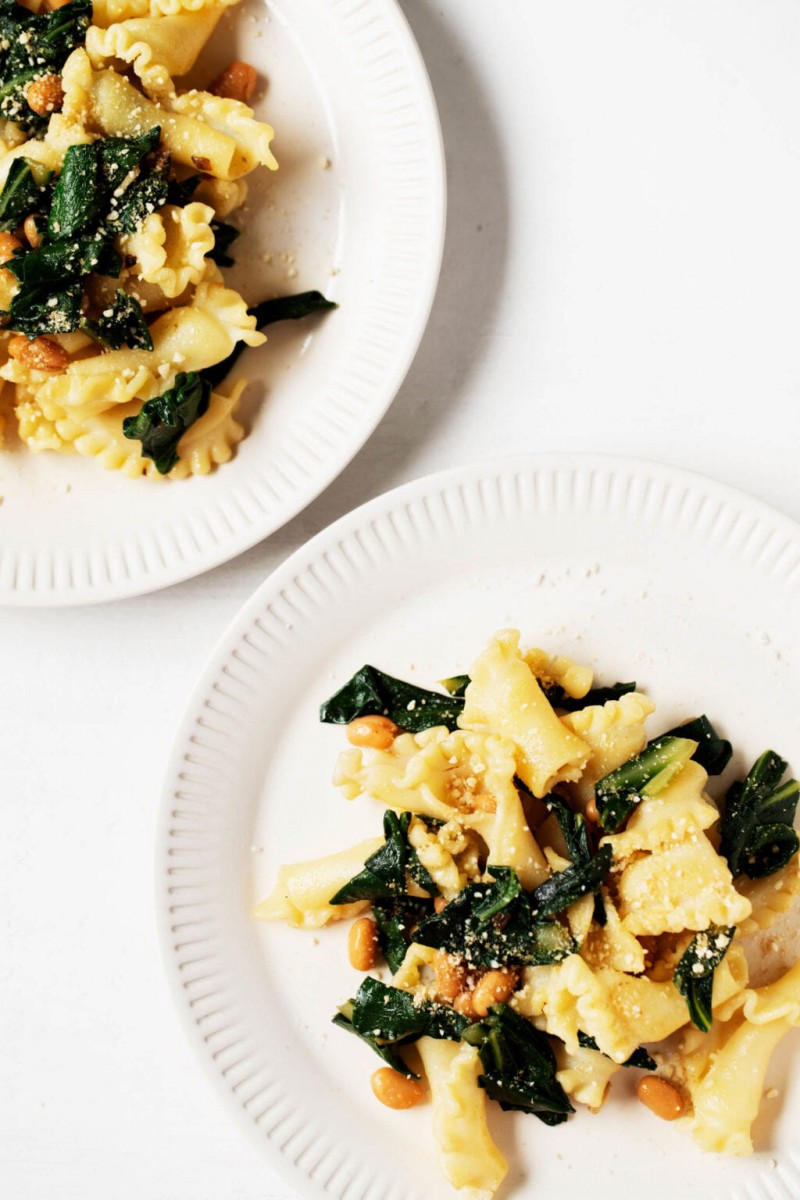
(396, 919)
(121, 325)
(565, 887)
(224, 236)
(33, 45)
(371, 691)
(37, 310)
(384, 872)
(495, 924)
(22, 193)
(757, 837)
(599, 695)
(519, 1065)
(573, 829)
(640, 1058)
(694, 974)
(162, 421)
(647, 774)
(385, 1018)
(456, 685)
(713, 752)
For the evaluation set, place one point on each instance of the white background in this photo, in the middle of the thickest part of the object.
(622, 272)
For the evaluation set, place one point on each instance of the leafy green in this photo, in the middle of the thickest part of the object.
(37, 310)
(713, 752)
(396, 919)
(224, 236)
(181, 190)
(647, 774)
(77, 196)
(284, 308)
(121, 325)
(640, 1058)
(25, 185)
(694, 974)
(162, 421)
(455, 685)
(599, 695)
(34, 45)
(757, 837)
(519, 1066)
(371, 691)
(384, 872)
(565, 887)
(495, 924)
(386, 1017)
(573, 829)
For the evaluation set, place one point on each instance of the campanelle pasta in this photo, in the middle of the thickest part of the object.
(115, 183)
(555, 896)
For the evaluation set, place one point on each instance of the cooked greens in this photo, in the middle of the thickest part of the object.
(122, 324)
(224, 237)
(599, 695)
(371, 692)
(24, 192)
(386, 1018)
(647, 774)
(694, 974)
(519, 1066)
(713, 752)
(162, 421)
(496, 924)
(384, 873)
(640, 1058)
(33, 45)
(756, 828)
(397, 919)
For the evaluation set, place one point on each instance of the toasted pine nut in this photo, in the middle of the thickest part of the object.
(661, 1097)
(494, 988)
(8, 244)
(395, 1090)
(237, 82)
(42, 354)
(45, 95)
(439, 904)
(450, 975)
(362, 944)
(463, 1004)
(31, 232)
(591, 813)
(377, 733)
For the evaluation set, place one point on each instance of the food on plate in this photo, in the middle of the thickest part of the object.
(556, 898)
(118, 330)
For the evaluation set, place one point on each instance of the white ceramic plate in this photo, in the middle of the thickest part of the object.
(648, 573)
(347, 88)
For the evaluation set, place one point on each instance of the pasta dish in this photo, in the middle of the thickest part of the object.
(118, 330)
(555, 898)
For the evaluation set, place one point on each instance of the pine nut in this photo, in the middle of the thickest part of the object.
(661, 1097)
(494, 988)
(377, 733)
(42, 354)
(237, 82)
(395, 1090)
(362, 944)
(45, 95)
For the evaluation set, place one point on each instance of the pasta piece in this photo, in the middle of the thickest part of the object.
(236, 120)
(771, 897)
(157, 48)
(611, 945)
(549, 669)
(108, 12)
(223, 195)
(302, 892)
(618, 1010)
(36, 431)
(470, 1159)
(504, 698)
(679, 813)
(585, 1075)
(614, 731)
(446, 852)
(684, 886)
(410, 976)
(170, 246)
(210, 441)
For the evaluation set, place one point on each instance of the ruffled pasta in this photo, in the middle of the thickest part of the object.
(157, 48)
(170, 246)
(614, 732)
(303, 890)
(108, 12)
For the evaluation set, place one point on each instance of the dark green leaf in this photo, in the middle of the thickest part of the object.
(35, 45)
(694, 974)
(647, 774)
(384, 1051)
(182, 190)
(760, 799)
(771, 847)
(396, 920)
(713, 752)
(145, 195)
(121, 325)
(566, 887)
(162, 421)
(119, 156)
(284, 308)
(384, 872)
(519, 1065)
(386, 1017)
(456, 685)
(599, 695)
(573, 829)
(36, 310)
(493, 924)
(640, 1058)
(224, 237)
(371, 691)
(78, 194)
(21, 194)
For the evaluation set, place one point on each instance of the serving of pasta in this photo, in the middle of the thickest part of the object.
(555, 898)
(118, 330)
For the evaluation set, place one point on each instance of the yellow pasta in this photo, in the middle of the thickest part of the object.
(302, 892)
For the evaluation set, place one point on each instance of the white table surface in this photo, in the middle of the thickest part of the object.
(622, 273)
